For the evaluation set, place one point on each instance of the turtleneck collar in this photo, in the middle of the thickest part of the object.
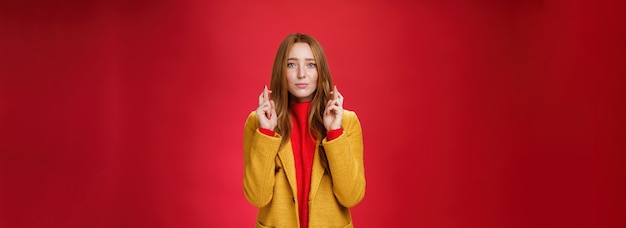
(300, 109)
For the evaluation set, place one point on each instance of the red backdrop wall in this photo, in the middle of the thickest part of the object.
(475, 113)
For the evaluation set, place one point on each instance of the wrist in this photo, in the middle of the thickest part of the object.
(333, 134)
(268, 132)
(266, 127)
(333, 128)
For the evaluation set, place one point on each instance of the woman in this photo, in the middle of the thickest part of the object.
(303, 153)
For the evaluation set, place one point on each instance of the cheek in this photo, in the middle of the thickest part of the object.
(312, 74)
(314, 80)
(291, 75)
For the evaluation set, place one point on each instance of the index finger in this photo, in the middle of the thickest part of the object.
(260, 99)
(265, 94)
(339, 95)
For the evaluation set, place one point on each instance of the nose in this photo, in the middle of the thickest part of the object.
(300, 72)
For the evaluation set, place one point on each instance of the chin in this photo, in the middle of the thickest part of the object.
(303, 94)
(304, 97)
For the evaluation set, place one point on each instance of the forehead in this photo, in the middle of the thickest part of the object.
(300, 51)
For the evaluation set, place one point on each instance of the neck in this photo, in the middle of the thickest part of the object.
(294, 99)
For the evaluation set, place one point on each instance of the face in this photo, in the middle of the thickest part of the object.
(301, 72)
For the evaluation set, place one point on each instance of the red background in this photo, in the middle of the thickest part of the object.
(475, 113)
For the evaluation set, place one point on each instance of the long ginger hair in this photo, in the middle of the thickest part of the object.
(280, 94)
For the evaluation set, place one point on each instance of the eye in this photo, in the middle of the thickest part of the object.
(311, 65)
(291, 65)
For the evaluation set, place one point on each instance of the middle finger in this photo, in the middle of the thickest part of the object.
(265, 94)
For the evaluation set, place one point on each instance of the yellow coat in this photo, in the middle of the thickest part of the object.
(269, 180)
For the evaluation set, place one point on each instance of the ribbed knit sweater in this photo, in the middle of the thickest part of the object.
(303, 147)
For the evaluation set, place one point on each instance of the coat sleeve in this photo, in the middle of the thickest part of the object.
(345, 159)
(260, 153)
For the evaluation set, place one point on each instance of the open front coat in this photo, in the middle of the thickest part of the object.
(269, 180)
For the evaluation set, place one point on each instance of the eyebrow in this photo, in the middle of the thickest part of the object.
(307, 59)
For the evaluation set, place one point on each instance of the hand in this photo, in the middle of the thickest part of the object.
(266, 112)
(334, 111)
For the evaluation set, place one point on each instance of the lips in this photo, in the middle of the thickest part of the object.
(302, 85)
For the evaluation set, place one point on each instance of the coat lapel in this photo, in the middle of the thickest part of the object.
(286, 157)
(316, 174)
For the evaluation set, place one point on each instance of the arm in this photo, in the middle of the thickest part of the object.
(345, 159)
(260, 152)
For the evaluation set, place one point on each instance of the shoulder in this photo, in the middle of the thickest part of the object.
(252, 120)
(252, 115)
(350, 121)
(350, 116)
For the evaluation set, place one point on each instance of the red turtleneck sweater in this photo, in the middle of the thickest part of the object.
(303, 150)
(303, 147)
